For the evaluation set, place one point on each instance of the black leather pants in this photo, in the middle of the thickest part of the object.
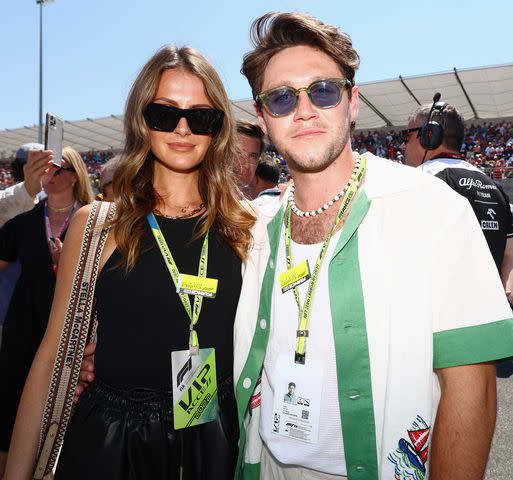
(129, 435)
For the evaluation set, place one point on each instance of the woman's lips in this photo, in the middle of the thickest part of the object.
(181, 146)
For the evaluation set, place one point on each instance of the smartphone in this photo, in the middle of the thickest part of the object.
(54, 133)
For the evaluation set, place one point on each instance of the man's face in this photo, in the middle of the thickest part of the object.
(413, 151)
(310, 138)
(292, 389)
(248, 160)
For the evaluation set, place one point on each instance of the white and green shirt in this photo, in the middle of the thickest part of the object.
(412, 288)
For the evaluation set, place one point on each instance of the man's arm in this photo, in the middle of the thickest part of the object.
(465, 422)
(22, 197)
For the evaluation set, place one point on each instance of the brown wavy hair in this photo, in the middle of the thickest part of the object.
(275, 31)
(133, 188)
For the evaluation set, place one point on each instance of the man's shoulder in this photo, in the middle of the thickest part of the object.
(387, 178)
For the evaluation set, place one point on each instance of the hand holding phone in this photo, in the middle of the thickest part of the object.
(54, 133)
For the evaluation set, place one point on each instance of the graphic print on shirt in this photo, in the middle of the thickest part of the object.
(411, 455)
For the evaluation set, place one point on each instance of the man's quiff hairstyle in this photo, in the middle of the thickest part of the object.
(275, 31)
(449, 119)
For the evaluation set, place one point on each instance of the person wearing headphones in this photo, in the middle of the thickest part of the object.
(432, 144)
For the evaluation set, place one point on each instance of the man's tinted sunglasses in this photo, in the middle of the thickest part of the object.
(282, 101)
(201, 121)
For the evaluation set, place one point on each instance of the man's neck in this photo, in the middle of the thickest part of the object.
(314, 189)
(441, 150)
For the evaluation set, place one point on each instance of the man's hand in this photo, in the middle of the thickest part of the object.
(86, 371)
(38, 161)
(465, 422)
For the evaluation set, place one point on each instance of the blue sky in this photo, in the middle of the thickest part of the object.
(94, 48)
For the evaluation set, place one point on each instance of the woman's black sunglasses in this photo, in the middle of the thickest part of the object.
(201, 121)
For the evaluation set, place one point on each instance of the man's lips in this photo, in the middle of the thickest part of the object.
(310, 132)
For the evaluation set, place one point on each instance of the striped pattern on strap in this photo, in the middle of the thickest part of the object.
(78, 329)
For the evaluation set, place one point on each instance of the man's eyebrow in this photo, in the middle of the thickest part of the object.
(288, 83)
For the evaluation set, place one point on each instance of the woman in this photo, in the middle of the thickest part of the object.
(175, 173)
(35, 239)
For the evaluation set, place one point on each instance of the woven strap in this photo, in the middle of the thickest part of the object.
(79, 328)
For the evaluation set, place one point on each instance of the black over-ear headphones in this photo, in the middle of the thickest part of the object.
(431, 135)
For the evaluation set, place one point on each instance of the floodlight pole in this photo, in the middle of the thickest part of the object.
(40, 130)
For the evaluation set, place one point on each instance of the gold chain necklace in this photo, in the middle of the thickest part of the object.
(179, 217)
(63, 209)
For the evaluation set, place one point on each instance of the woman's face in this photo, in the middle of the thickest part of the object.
(59, 180)
(180, 150)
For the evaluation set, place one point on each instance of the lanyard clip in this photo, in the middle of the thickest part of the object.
(193, 342)
(299, 358)
(301, 333)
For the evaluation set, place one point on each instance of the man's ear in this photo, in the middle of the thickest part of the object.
(260, 115)
(354, 103)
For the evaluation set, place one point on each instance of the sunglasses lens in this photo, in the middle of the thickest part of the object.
(281, 101)
(325, 94)
(204, 121)
(162, 118)
(165, 118)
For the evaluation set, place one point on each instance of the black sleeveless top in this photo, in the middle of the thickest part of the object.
(141, 318)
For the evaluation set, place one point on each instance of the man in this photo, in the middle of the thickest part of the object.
(106, 178)
(28, 170)
(265, 182)
(251, 142)
(361, 287)
(290, 396)
(442, 159)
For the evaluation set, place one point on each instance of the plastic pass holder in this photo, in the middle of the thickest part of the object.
(194, 381)
(194, 285)
(294, 276)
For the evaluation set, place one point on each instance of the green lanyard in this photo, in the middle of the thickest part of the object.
(173, 270)
(306, 311)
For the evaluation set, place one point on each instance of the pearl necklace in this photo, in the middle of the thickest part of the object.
(335, 199)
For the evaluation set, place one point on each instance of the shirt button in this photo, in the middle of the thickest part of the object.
(271, 264)
(354, 394)
(263, 324)
(246, 383)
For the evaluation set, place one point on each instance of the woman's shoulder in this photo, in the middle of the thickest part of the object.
(80, 218)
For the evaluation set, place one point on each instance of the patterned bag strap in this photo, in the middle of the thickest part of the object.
(76, 331)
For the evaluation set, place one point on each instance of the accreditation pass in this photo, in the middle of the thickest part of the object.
(194, 387)
(297, 399)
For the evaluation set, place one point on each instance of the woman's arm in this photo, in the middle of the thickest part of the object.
(25, 438)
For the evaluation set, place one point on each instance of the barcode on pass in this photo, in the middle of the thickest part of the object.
(304, 414)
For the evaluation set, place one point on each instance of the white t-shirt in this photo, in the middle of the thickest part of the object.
(328, 454)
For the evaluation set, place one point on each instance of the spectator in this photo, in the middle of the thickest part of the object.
(106, 177)
(22, 196)
(24, 238)
(251, 142)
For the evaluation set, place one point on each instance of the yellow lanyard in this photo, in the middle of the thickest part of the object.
(173, 270)
(306, 311)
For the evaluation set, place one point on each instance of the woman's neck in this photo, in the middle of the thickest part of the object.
(175, 189)
(61, 199)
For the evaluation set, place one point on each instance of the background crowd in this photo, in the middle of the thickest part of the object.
(488, 146)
